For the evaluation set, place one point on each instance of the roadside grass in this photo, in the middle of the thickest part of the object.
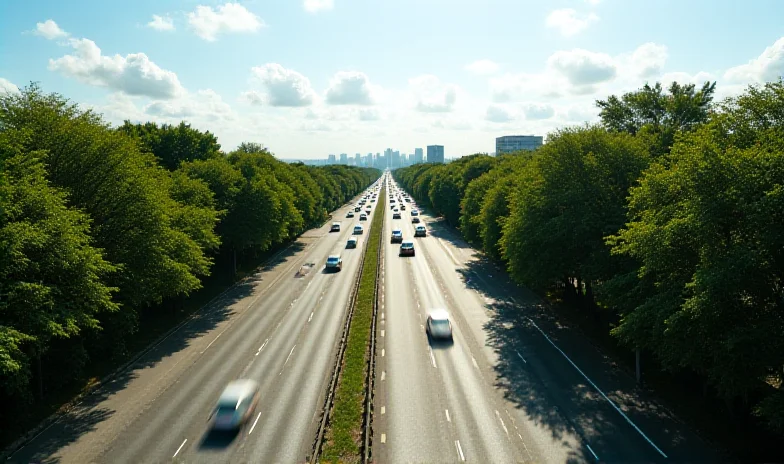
(343, 436)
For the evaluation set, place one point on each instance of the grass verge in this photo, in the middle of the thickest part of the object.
(343, 437)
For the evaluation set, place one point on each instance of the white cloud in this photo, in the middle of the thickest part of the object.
(767, 67)
(432, 95)
(285, 87)
(498, 113)
(159, 23)
(368, 114)
(649, 59)
(567, 21)
(7, 86)
(537, 111)
(133, 74)
(520, 87)
(583, 68)
(483, 67)
(314, 6)
(49, 30)
(231, 17)
(350, 88)
(204, 104)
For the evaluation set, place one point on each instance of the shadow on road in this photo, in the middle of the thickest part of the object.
(89, 413)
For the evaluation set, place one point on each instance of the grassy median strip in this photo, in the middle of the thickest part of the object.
(343, 437)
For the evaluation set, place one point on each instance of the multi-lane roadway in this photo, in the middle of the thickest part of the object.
(280, 328)
(514, 386)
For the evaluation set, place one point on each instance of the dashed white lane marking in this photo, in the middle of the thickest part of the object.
(311, 316)
(600, 391)
(262, 346)
(178, 449)
(213, 341)
(254, 424)
(448, 419)
(382, 315)
(498, 415)
(382, 333)
(383, 409)
(521, 356)
(473, 360)
(383, 375)
(459, 450)
(383, 352)
(432, 358)
(589, 449)
(287, 359)
(383, 438)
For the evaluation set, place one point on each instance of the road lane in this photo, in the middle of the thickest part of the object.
(162, 405)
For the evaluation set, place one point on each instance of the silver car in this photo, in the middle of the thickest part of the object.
(235, 405)
(438, 324)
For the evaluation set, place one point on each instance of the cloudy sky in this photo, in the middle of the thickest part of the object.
(311, 77)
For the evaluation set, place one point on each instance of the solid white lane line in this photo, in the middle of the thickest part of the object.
(262, 346)
(459, 450)
(311, 316)
(287, 359)
(521, 356)
(432, 358)
(447, 415)
(589, 449)
(254, 424)
(600, 391)
(213, 341)
(473, 360)
(178, 449)
(498, 415)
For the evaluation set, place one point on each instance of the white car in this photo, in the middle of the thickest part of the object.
(358, 230)
(235, 405)
(438, 324)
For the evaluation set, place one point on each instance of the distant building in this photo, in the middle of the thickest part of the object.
(512, 143)
(395, 162)
(419, 155)
(435, 153)
(358, 160)
(331, 159)
(343, 158)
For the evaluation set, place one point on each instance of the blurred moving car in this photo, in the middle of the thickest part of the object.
(352, 242)
(358, 230)
(397, 236)
(407, 249)
(350, 214)
(396, 215)
(363, 217)
(334, 263)
(438, 324)
(402, 207)
(414, 212)
(420, 231)
(235, 405)
(414, 220)
(335, 227)
(357, 209)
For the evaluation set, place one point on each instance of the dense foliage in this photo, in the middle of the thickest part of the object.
(668, 213)
(101, 225)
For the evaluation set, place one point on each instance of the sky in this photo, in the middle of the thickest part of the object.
(307, 78)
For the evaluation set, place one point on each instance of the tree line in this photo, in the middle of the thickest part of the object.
(667, 214)
(100, 225)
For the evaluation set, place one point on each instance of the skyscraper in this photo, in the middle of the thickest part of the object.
(343, 158)
(357, 160)
(435, 153)
(513, 143)
(418, 155)
(331, 159)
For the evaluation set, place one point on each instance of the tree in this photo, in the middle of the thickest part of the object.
(173, 145)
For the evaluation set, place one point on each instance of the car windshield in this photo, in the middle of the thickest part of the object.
(333, 260)
(440, 323)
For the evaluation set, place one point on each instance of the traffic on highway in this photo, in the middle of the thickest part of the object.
(464, 369)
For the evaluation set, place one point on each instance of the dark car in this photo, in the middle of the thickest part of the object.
(407, 249)
(397, 236)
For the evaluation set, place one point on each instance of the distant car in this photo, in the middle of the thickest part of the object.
(414, 212)
(334, 263)
(397, 236)
(438, 324)
(235, 405)
(392, 200)
(358, 230)
(368, 207)
(392, 207)
(363, 217)
(396, 215)
(357, 209)
(350, 214)
(352, 242)
(407, 249)
(402, 207)
(408, 200)
(420, 231)
(335, 227)
(415, 220)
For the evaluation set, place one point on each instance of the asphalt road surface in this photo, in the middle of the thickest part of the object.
(515, 386)
(278, 328)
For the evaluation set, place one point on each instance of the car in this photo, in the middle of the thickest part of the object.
(357, 209)
(335, 227)
(352, 242)
(396, 215)
(420, 231)
(415, 220)
(358, 230)
(350, 214)
(438, 324)
(368, 207)
(235, 405)
(397, 236)
(408, 200)
(392, 207)
(414, 212)
(402, 207)
(407, 249)
(363, 217)
(334, 263)
(392, 201)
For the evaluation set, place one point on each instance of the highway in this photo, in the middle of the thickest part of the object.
(515, 386)
(280, 328)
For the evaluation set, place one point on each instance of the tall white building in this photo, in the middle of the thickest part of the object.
(512, 143)
(435, 153)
